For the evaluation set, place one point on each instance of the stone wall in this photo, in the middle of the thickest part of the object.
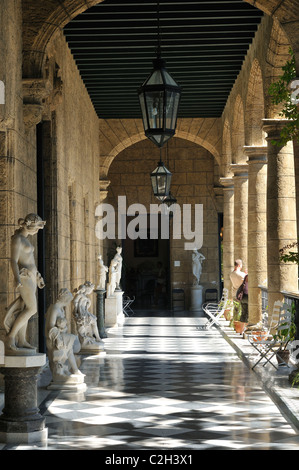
(51, 122)
(194, 173)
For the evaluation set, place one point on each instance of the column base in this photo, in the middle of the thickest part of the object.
(24, 438)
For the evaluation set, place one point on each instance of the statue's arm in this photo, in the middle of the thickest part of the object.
(14, 258)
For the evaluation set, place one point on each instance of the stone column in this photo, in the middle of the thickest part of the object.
(100, 312)
(240, 172)
(257, 229)
(281, 212)
(228, 231)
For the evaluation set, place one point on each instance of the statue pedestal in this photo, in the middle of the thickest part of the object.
(100, 312)
(196, 300)
(119, 297)
(75, 382)
(114, 309)
(110, 311)
(21, 422)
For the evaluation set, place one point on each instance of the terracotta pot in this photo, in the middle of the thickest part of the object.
(259, 335)
(283, 357)
(240, 326)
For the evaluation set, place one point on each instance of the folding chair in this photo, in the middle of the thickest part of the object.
(268, 342)
(127, 301)
(215, 310)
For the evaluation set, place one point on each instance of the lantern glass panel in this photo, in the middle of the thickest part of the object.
(154, 102)
(168, 80)
(143, 111)
(155, 78)
(172, 103)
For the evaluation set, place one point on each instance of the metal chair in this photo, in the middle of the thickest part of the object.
(215, 310)
(127, 302)
(211, 295)
(268, 342)
(178, 296)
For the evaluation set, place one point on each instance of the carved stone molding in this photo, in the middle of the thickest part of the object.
(104, 189)
(40, 97)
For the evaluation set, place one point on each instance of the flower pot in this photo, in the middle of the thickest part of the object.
(240, 326)
(283, 357)
(259, 335)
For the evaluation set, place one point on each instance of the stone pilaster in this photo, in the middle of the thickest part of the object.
(281, 212)
(257, 229)
(240, 172)
(228, 231)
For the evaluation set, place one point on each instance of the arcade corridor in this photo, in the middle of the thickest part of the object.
(164, 385)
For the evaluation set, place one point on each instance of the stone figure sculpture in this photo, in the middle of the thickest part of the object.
(119, 260)
(27, 279)
(86, 322)
(197, 259)
(103, 273)
(61, 345)
(111, 286)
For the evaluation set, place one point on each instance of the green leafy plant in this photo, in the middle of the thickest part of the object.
(287, 334)
(288, 256)
(281, 94)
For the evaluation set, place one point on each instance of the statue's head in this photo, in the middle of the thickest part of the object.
(65, 295)
(32, 222)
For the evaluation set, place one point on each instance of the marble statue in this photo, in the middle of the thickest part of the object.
(111, 286)
(27, 279)
(61, 345)
(86, 322)
(103, 274)
(118, 258)
(197, 259)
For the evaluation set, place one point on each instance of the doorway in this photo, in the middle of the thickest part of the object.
(146, 261)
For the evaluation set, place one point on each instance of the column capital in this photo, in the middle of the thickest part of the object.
(256, 154)
(273, 127)
(227, 182)
(103, 189)
(239, 169)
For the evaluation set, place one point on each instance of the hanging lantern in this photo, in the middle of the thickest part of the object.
(159, 98)
(161, 179)
(170, 199)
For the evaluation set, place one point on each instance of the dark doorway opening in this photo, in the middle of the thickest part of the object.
(146, 261)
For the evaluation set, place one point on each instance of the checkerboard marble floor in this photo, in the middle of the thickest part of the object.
(164, 384)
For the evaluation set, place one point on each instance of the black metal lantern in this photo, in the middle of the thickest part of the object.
(161, 179)
(170, 200)
(159, 98)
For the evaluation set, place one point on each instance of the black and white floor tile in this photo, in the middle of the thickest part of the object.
(162, 385)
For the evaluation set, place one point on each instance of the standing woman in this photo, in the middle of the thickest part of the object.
(244, 301)
(27, 279)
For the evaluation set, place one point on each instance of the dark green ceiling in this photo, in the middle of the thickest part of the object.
(204, 44)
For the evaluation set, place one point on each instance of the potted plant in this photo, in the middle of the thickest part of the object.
(286, 336)
(228, 310)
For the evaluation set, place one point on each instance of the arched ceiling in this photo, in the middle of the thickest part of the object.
(204, 43)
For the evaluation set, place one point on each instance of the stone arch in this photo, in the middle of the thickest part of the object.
(255, 109)
(238, 131)
(116, 135)
(277, 56)
(286, 13)
(226, 150)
